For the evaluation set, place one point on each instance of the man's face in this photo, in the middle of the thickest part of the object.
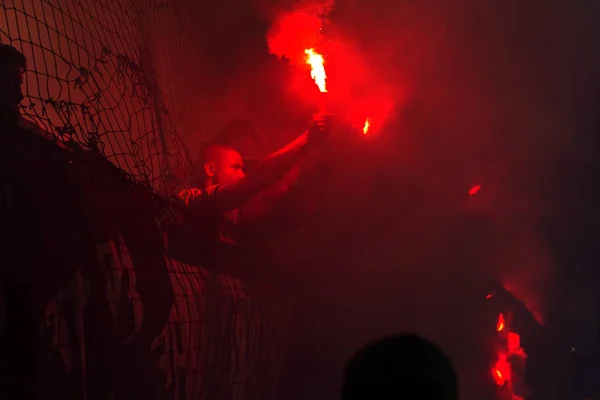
(11, 78)
(228, 167)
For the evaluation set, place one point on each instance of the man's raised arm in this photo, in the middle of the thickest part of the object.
(271, 169)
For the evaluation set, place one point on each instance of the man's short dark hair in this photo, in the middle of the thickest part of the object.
(205, 154)
(397, 367)
(10, 55)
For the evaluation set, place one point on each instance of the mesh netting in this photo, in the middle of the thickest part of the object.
(91, 79)
(122, 76)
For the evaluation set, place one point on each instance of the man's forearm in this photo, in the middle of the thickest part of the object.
(260, 205)
(276, 165)
(265, 174)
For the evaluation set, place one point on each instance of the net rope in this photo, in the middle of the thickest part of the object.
(90, 80)
(122, 76)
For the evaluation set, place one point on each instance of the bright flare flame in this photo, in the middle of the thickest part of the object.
(317, 71)
(500, 323)
(367, 126)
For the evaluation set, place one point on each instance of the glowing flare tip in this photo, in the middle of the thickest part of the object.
(367, 126)
(317, 68)
(500, 323)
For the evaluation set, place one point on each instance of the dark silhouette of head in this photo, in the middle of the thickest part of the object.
(400, 367)
(12, 67)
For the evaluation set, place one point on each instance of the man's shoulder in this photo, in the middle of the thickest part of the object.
(188, 195)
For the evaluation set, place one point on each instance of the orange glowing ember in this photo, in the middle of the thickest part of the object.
(367, 126)
(499, 377)
(500, 324)
(509, 353)
(317, 71)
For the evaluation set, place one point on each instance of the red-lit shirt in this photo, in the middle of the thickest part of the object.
(201, 208)
(199, 233)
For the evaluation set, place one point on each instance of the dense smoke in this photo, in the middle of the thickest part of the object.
(298, 29)
(484, 93)
(472, 92)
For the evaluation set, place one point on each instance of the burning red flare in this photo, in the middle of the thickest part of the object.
(367, 126)
(500, 324)
(499, 377)
(509, 352)
(343, 74)
(317, 68)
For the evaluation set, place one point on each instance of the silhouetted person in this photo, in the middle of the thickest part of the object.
(400, 367)
(72, 224)
(41, 243)
(203, 231)
(12, 66)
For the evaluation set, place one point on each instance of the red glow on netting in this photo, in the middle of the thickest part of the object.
(474, 190)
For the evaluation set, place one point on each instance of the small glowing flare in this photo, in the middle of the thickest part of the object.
(367, 126)
(317, 68)
(474, 190)
(500, 324)
(499, 377)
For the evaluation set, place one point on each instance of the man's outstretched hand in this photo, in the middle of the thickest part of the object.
(320, 127)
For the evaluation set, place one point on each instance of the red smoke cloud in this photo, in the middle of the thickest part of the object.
(355, 91)
(294, 31)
